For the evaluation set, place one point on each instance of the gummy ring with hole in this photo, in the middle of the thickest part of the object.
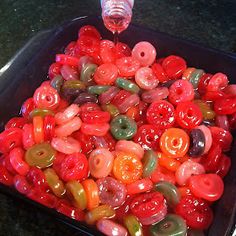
(122, 127)
(188, 115)
(87, 73)
(145, 53)
(174, 142)
(106, 74)
(111, 191)
(127, 85)
(150, 161)
(40, 155)
(217, 82)
(195, 77)
(169, 191)
(197, 143)
(146, 79)
(148, 137)
(187, 73)
(181, 91)
(95, 129)
(107, 96)
(46, 97)
(16, 122)
(207, 186)
(169, 163)
(74, 167)
(174, 66)
(162, 114)
(208, 137)
(21, 184)
(127, 66)
(133, 225)
(127, 167)
(100, 162)
(186, 170)
(49, 127)
(172, 225)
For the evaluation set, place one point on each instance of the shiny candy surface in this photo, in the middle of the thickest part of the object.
(122, 127)
(40, 155)
(109, 227)
(207, 186)
(106, 74)
(46, 97)
(127, 66)
(100, 212)
(127, 168)
(181, 91)
(197, 143)
(144, 52)
(195, 212)
(169, 191)
(186, 170)
(100, 162)
(172, 225)
(161, 114)
(150, 162)
(174, 142)
(111, 191)
(174, 66)
(188, 115)
(76, 192)
(130, 147)
(145, 78)
(149, 208)
(133, 225)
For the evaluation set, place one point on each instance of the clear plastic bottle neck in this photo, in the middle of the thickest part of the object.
(117, 14)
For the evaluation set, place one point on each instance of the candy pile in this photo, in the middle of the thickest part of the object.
(122, 140)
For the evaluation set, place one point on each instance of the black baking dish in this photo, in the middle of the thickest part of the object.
(24, 73)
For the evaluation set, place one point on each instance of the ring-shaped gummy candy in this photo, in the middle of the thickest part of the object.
(111, 191)
(40, 155)
(172, 225)
(127, 167)
(122, 127)
(174, 142)
(100, 162)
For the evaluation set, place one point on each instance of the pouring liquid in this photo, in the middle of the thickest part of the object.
(116, 16)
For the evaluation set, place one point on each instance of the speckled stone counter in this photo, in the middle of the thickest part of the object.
(212, 23)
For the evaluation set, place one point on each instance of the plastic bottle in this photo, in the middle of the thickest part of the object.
(117, 14)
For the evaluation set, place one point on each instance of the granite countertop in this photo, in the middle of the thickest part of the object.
(212, 23)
